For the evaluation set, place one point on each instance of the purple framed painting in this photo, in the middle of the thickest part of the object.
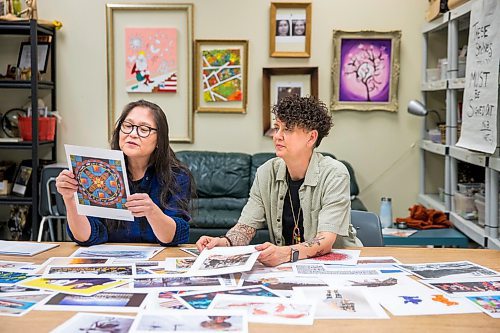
(365, 70)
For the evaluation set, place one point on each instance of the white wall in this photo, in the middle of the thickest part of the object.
(378, 144)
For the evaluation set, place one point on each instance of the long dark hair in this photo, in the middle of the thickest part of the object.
(163, 158)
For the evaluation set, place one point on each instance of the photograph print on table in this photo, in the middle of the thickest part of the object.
(177, 283)
(13, 264)
(224, 260)
(336, 257)
(71, 261)
(460, 269)
(94, 322)
(18, 305)
(488, 304)
(102, 182)
(74, 286)
(8, 277)
(161, 300)
(466, 286)
(119, 271)
(191, 250)
(118, 252)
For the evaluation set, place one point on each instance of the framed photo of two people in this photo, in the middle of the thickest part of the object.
(290, 32)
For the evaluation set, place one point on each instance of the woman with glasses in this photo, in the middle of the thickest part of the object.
(160, 185)
(301, 196)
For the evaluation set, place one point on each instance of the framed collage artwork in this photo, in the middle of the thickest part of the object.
(221, 68)
(365, 70)
(149, 53)
(280, 82)
(290, 30)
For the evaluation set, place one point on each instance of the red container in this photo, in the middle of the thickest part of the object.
(46, 128)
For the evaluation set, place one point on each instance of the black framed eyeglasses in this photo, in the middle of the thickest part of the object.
(142, 130)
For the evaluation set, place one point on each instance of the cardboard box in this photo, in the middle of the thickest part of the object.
(5, 187)
(452, 4)
(436, 7)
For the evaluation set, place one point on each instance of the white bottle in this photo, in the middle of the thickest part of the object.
(386, 212)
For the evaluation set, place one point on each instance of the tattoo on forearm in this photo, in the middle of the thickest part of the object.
(317, 254)
(315, 241)
(241, 234)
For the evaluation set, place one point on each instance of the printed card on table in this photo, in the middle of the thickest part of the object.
(281, 284)
(74, 286)
(106, 301)
(192, 321)
(92, 322)
(162, 300)
(336, 257)
(177, 283)
(415, 303)
(71, 261)
(342, 303)
(18, 305)
(118, 271)
(13, 264)
(118, 252)
(224, 260)
(102, 182)
(9, 277)
(460, 269)
(191, 250)
(466, 286)
(488, 304)
(270, 310)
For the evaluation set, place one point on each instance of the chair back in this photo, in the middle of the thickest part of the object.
(368, 228)
(51, 202)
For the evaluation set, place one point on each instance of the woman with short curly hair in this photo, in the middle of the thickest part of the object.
(301, 196)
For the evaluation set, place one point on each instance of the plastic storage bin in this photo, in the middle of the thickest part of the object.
(480, 212)
(470, 188)
(465, 206)
(46, 128)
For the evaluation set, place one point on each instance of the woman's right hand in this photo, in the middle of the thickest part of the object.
(66, 184)
(207, 242)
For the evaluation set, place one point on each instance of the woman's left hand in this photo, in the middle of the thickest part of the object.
(140, 204)
(272, 255)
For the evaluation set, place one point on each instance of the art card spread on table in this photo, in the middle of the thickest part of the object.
(118, 252)
(224, 260)
(413, 303)
(71, 261)
(461, 269)
(191, 250)
(161, 300)
(342, 303)
(74, 286)
(23, 248)
(466, 286)
(377, 260)
(488, 304)
(9, 277)
(102, 182)
(270, 310)
(305, 269)
(18, 305)
(94, 322)
(259, 268)
(118, 271)
(336, 257)
(13, 264)
(281, 284)
(196, 321)
(202, 299)
(178, 264)
(110, 301)
(15, 290)
(178, 282)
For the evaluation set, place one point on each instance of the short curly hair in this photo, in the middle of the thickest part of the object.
(304, 112)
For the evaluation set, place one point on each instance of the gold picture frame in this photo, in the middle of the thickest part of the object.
(178, 105)
(365, 70)
(290, 29)
(232, 71)
(276, 79)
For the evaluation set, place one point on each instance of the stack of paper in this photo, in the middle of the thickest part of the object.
(24, 248)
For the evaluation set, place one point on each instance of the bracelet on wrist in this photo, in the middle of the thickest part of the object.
(227, 239)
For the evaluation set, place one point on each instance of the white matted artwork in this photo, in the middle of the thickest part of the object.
(93, 322)
(460, 269)
(342, 303)
(269, 310)
(71, 261)
(19, 305)
(118, 252)
(224, 260)
(102, 182)
(119, 271)
(177, 105)
(193, 321)
(466, 286)
(290, 30)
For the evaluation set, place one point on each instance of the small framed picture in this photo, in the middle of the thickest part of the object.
(24, 60)
(290, 32)
(22, 180)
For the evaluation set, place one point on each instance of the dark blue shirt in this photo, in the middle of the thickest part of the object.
(139, 230)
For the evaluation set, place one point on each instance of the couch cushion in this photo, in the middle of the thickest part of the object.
(218, 175)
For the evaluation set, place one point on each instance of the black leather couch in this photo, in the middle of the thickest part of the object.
(223, 182)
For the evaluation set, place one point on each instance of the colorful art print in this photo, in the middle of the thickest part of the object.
(469, 287)
(151, 60)
(488, 304)
(18, 305)
(280, 282)
(202, 300)
(221, 75)
(11, 277)
(119, 253)
(341, 257)
(166, 300)
(83, 286)
(268, 309)
(185, 282)
(183, 321)
(71, 261)
(104, 299)
(222, 261)
(342, 303)
(101, 182)
(142, 271)
(191, 250)
(91, 322)
(13, 264)
(446, 269)
(15, 289)
(115, 254)
(366, 70)
(180, 263)
(163, 270)
(100, 270)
